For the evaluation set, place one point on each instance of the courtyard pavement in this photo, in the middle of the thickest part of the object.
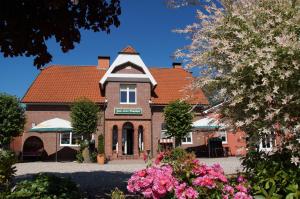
(98, 180)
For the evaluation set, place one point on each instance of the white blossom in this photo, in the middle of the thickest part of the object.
(295, 160)
(256, 65)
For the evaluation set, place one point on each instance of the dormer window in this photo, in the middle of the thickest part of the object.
(127, 94)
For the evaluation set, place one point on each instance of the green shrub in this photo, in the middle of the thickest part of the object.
(94, 156)
(79, 156)
(175, 155)
(272, 176)
(44, 186)
(117, 194)
(101, 144)
(7, 170)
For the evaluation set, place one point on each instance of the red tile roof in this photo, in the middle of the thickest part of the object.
(129, 49)
(174, 83)
(64, 84)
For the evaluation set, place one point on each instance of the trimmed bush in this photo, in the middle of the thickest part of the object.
(272, 175)
(100, 144)
(7, 170)
(47, 187)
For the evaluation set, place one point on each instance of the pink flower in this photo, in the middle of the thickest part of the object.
(158, 188)
(200, 170)
(159, 158)
(130, 188)
(225, 197)
(204, 181)
(142, 173)
(147, 193)
(217, 168)
(217, 175)
(241, 188)
(228, 189)
(191, 193)
(153, 182)
(145, 157)
(184, 192)
(241, 179)
(242, 195)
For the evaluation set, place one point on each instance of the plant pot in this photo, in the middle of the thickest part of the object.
(101, 158)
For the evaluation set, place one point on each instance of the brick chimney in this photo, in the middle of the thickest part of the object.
(103, 62)
(177, 65)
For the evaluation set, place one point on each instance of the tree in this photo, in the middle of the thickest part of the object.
(178, 118)
(84, 119)
(250, 51)
(12, 119)
(26, 25)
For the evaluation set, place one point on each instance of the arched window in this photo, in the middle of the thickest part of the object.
(115, 138)
(141, 138)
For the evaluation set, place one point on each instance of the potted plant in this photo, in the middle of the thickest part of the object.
(101, 155)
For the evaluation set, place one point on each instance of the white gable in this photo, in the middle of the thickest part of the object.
(123, 59)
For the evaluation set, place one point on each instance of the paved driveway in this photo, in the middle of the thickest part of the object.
(97, 180)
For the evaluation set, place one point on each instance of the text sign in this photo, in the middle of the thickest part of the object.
(128, 111)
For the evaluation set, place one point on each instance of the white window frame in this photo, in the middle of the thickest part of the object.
(267, 149)
(223, 133)
(70, 137)
(190, 134)
(126, 88)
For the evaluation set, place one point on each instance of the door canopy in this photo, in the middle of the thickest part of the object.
(52, 125)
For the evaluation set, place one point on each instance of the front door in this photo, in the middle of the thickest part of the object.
(127, 139)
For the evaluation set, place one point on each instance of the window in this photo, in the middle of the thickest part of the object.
(223, 136)
(128, 94)
(115, 138)
(141, 138)
(69, 139)
(163, 131)
(188, 139)
(267, 142)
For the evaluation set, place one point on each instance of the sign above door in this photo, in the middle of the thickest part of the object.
(128, 111)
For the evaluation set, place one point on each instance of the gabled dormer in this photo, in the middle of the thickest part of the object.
(128, 67)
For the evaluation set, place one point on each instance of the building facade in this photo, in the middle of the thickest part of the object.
(130, 95)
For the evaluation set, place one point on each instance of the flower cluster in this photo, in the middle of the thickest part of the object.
(238, 191)
(186, 179)
(153, 182)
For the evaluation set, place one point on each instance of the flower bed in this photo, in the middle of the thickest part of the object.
(184, 177)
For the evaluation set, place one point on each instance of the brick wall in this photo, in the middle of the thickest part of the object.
(40, 113)
(113, 98)
(128, 69)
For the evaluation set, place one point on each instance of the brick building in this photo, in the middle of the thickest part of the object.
(131, 97)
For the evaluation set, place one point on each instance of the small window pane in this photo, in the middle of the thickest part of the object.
(123, 96)
(65, 138)
(131, 87)
(132, 97)
(123, 88)
(188, 139)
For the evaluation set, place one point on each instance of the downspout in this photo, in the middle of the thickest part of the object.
(151, 132)
(105, 103)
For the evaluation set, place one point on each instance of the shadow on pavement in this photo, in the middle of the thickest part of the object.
(94, 184)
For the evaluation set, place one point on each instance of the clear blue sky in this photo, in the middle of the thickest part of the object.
(146, 25)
